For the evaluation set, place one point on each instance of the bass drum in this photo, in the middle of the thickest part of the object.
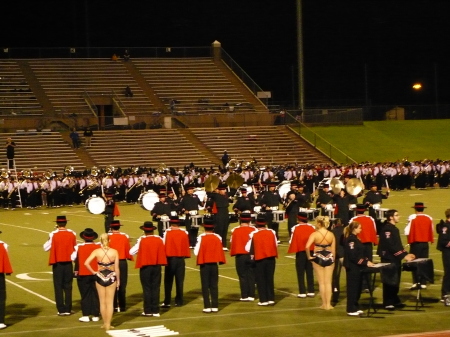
(95, 205)
(201, 194)
(148, 199)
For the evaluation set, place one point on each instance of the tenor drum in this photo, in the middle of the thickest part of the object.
(284, 188)
(148, 199)
(201, 194)
(95, 205)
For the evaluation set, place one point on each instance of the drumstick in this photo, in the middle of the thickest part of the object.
(387, 185)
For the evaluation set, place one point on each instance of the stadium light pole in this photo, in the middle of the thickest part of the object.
(301, 78)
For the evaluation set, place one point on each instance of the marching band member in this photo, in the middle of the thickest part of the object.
(176, 242)
(271, 199)
(300, 234)
(245, 269)
(419, 231)
(263, 249)
(90, 305)
(354, 260)
(161, 208)
(190, 202)
(243, 203)
(5, 269)
(222, 218)
(390, 250)
(443, 244)
(120, 242)
(374, 197)
(209, 255)
(151, 257)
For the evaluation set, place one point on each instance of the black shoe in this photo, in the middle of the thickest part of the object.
(164, 305)
(400, 305)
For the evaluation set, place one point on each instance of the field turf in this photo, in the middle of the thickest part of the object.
(31, 309)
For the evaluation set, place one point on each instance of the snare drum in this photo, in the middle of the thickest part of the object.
(95, 205)
(148, 199)
(376, 206)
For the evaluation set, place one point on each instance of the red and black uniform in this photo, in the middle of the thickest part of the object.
(151, 256)
(297, 245)
(419, 231)
(5, 269)
(263, 247)
(368, 235)
(209, 253)
(85, 280)
(244, 267)
(121, 242)
(176, 241)
(61, 246)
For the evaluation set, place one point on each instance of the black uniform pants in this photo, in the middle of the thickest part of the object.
(89, 296)
(175, 269)
(445, 290)
(209, 277)
(390, 291)
(246, 273)
(264, 273)
(420, 250)
(192, 231)
(62, 283)
(120, 297)
(354, 285)
(304, 266)
(2, 297)
(151, 281)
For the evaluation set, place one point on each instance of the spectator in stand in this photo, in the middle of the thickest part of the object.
(128, 92)
(126, 56)
(75, 138)
(88, 134)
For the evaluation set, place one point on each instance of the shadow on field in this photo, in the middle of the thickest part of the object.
(17, 312)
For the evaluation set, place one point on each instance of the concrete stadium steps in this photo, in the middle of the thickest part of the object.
(197, 84)
(16, 97)
(148, 148)
(65, 81)
(41, 152)
(271, 145)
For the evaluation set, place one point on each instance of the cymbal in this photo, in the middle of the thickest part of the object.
(211, 183)
(234, 180)
(354, 186)
(336, 185)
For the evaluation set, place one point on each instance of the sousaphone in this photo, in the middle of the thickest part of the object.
(354, 186)
(336, 185)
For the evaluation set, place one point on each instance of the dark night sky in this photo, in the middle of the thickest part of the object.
(398, 42)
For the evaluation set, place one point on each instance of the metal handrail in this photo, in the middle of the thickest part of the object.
(318, 142)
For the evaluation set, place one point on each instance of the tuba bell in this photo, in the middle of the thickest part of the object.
(27, 173)
(109, 170)
(68, 170)
(232, 164)
(49, 174)
(94, 171)
(162, 168)
(5, 174)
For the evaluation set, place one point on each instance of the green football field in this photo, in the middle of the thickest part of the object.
(31, 309)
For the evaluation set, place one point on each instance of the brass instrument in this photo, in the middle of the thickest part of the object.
(27, 173)
(5, 173)
(89, 187)
(233, 164)
(49, 174)
(109, 170)
(94, 171)
(162, 168)
(68, 170)
(136, 184)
